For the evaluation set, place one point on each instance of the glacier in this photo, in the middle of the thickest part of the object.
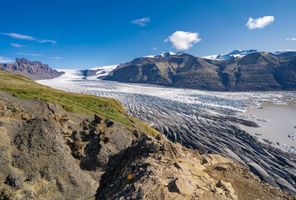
(207, 121)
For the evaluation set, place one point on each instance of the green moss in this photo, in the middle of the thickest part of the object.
(23, 87)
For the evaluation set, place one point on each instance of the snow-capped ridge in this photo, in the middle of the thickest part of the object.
(279, 52)
(211, 57)
(105, 70)
(164, 54)
(101, 71)
(234, 54)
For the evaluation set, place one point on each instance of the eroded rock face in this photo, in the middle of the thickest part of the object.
(48, 153)
(158, 169)
(34, 70)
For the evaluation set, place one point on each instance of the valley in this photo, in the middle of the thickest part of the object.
(62, 145)
(148, 100)
(208, 121)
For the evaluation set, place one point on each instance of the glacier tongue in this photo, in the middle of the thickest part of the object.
(197, 119)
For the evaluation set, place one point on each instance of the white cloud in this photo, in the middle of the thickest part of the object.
(20, 36)
(16, 45)
(29, 54)
(5, 60)
(48, 41)
(293, 39)
(182, 40)
(28, 37)
(56, 58)
(260, 22)
(141, 22)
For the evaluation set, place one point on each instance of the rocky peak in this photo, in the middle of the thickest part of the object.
(26, 61)
(22, 60)
(32, 69)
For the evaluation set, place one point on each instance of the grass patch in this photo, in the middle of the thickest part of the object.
(26, 88)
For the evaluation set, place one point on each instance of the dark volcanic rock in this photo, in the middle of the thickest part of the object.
(256, 71)
(32, 69)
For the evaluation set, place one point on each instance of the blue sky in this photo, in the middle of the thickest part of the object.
(88, 33)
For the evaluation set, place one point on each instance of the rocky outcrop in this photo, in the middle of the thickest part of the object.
(154, 169)
(48, 153)
(256, 71)
(34, 70)
(158, 169)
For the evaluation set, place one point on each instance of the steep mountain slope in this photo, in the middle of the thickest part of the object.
(177, 70)
(35, 70)
(48, 152)
(254, 71)
(286, 75)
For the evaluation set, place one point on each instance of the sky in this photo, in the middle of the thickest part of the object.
(90, 33)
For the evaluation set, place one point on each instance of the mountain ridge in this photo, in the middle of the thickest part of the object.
(257, 71)
(32, 69)
(233, 54)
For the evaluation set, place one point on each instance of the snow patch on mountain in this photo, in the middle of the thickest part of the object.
(102, 71)
(234, 54)
(211, 57)
(279, 52)
(164, 54)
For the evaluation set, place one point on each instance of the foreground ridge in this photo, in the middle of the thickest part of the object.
(49, 153)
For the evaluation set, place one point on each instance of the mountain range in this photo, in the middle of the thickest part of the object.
(237, 71)
(32, 69)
